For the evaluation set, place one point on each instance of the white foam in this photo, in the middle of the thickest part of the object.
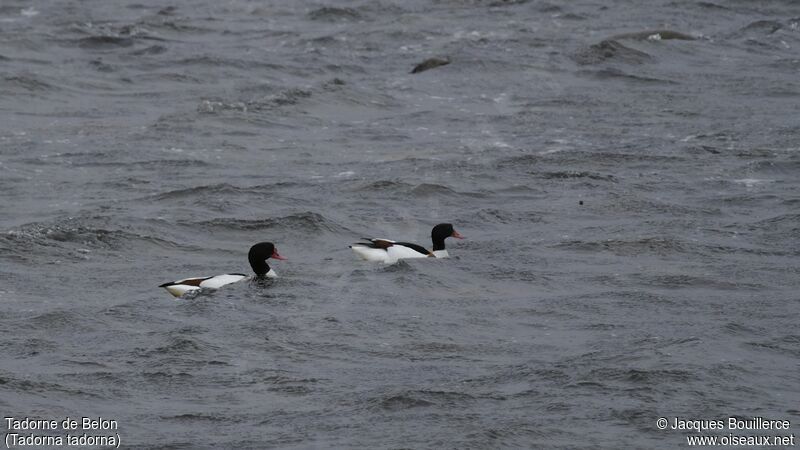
(750, 182)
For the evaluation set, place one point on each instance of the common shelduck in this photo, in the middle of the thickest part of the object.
(257, 256)
(389, 252)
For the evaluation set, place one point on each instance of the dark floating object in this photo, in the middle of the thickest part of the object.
(430, 63)
(580, 202)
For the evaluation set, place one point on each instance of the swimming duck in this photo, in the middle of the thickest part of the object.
(389, 252)
(257, 256)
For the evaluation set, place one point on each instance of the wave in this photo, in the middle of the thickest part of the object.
(611, 50)
(738, 329)
(493, 215)
(641, 376)
(101, 42)
(570, 174)
(431, 190)
(219, 61)
(306, 221)
(27, 347)
(639, 205)
(655, 35)
(157, 163)
(676, 281)
(759, 27)
(38, 388)
(613, 73)
(791, 220)
(288, 97)
(151, 50)
(422, 190)
(334, 14)
(384, 185)
(419, 399)
(219, 188)
(201, 417)
(788, 345)
(29, 83)
(659, 246)
(55, 320)
(705, 5)
(71, 239)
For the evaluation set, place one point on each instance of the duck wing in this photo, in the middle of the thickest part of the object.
(415, 247)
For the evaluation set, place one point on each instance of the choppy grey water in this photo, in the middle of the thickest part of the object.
(143, 141)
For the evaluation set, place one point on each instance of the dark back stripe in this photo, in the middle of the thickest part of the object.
(416, 247)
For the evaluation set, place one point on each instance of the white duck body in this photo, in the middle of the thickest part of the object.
(388, 252)
(441, 254)
(180, 287)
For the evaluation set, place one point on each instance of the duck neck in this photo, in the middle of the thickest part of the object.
(259, 267)
(438, 243)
